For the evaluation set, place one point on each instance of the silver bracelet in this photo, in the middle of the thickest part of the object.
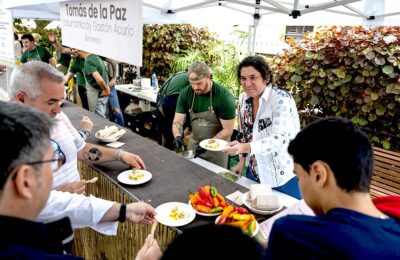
(118, 154)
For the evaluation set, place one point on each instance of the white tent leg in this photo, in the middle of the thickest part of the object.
(249, 40)
(253, 47)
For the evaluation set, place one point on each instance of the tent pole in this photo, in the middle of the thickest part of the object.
(254, 37)
(249, 40)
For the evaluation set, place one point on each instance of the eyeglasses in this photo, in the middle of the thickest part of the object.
(58, 159)
(251, 78)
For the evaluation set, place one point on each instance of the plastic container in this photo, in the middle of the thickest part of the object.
(154, 81)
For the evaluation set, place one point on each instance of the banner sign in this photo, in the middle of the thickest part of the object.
(6, 38)
(108, 28)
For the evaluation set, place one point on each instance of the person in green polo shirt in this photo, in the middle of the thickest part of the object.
(166, 104)
(97, 88)
(76, 68)
(34, 52)
(211, 108)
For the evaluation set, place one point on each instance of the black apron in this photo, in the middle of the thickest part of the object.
(206, 125)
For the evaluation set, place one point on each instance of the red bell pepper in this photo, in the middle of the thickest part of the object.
(204, 203)
(205, 195)
(242, 210)
(225, 214)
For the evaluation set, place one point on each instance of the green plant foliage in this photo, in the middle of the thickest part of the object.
(222, 59)
(171, 48)
(351, 72)
(40, 30)
(163, 43)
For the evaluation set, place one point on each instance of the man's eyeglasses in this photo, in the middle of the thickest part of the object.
(58, 159)
(251, 78)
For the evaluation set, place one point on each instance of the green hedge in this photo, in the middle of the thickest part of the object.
(351, 72)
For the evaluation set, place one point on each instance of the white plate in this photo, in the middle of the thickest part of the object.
(164, 210)
(222, 145)
(204, 214)
(258, 211)
(108, 140)
(123, 177)
(252, 235)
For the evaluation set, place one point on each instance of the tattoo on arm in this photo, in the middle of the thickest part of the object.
(93, 155)
(179, 126)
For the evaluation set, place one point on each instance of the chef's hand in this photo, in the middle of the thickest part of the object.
(178, 142)
(199, 151)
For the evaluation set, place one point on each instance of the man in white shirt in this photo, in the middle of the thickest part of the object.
(39, 85)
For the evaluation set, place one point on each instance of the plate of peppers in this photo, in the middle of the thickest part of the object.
(239, 217)
(207, 201)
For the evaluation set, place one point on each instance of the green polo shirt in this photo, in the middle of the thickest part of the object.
(94, 63)
(77, 66)
(222, 100)
(39, 53)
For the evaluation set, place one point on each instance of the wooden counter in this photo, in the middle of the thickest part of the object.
(173, 178)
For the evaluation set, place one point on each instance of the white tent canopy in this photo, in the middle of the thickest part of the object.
(245, 12)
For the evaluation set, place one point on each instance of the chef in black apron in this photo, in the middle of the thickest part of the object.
(204, 124)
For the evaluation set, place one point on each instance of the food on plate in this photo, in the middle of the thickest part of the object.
(207, 200)
(259, 190)
(136, 175)
(230, 176)
(176, 214)
(110, 132)
(267, 202)
(260, 197)
(106, 132)
(238, 217)
(212, 144)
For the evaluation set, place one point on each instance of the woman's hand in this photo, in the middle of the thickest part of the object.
(235, 148)
(238, 168)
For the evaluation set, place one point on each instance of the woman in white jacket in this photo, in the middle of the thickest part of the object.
(268, 120)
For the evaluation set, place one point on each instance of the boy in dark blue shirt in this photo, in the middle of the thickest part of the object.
(334, 163)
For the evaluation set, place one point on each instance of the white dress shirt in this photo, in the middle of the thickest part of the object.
(83, 211)
(280, 123)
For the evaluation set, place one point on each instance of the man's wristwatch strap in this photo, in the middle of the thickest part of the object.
(122, 213)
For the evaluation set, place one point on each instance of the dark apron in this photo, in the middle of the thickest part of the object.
(206, 125)
(36, 57)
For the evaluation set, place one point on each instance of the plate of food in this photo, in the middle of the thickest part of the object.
(109, 134)
(203, 213)
(175, 214)
(207, 201)
(134, 177)
(271, 205)
(248, 227)
(215, 145)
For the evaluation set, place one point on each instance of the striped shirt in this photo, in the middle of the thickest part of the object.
(70, 142)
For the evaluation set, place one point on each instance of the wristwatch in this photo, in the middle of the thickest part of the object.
(118, 154)
(122, 213)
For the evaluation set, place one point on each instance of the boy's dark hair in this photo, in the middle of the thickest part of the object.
(213, 242)
(342, 145)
